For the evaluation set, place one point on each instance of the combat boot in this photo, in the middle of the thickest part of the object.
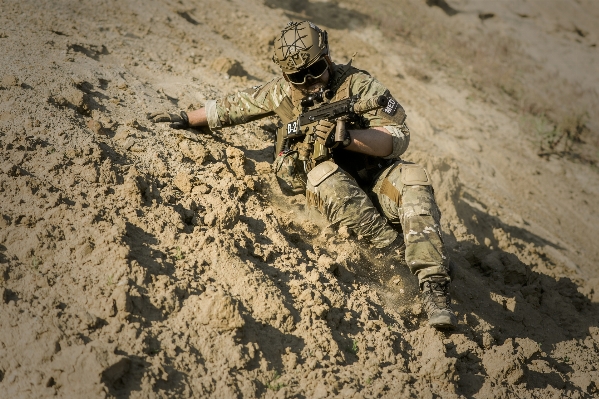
(437, 303)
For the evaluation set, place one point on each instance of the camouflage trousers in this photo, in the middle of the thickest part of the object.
(402, 200)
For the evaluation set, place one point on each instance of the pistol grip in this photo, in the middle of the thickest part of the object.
(340, 130)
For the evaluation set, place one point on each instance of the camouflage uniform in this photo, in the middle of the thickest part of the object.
(377, 198)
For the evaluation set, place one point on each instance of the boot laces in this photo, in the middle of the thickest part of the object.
(436, 295)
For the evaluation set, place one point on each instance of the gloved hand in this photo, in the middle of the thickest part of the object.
(340, 138)
(324, 129)
(180, 121)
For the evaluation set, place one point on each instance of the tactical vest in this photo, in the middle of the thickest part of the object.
(295, 157)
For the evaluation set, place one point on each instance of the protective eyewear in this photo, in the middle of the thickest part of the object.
(315, 71)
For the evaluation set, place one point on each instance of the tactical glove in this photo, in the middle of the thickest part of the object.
(180, 121)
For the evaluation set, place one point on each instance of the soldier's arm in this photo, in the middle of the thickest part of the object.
(198, 118)
(386, 137)
(376, 141)
(237, 108)
(227, 111)
(240, 107)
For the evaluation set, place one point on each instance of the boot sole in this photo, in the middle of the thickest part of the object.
(443, 320)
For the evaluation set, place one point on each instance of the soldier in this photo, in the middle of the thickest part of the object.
(356, 179)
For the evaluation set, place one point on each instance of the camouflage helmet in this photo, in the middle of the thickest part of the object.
(300, 45)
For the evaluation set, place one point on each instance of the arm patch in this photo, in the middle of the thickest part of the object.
(393, 112)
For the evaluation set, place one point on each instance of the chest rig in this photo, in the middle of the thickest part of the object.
(297, 154)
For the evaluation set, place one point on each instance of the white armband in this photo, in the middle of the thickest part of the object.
(401, 140)
(212, 115)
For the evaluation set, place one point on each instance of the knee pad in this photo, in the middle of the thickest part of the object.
(315, 178)
(417, 196)
(321, 172)
(409, 185)
(328, 182)
(415, 175)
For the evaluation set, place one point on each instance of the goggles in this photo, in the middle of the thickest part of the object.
(315, 71)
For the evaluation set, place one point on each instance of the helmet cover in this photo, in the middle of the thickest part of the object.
(300, 45)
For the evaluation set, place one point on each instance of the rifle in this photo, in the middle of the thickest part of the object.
(349, 109)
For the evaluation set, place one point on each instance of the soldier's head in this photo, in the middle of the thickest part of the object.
(302, 53)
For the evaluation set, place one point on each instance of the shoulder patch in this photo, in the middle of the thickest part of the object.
(393, 110)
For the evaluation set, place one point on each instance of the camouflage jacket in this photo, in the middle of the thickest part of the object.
(279, 97)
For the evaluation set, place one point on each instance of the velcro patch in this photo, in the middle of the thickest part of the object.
(292, 128)
(414, 175)
(393, 111)
(392, 107)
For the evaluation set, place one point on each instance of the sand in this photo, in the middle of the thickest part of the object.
(142, 262)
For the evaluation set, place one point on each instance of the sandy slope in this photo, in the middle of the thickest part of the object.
(138, 261)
